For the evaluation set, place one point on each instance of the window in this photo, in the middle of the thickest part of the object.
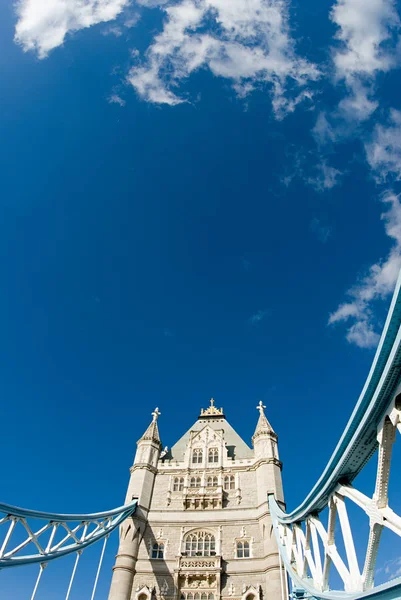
(195, 482)
(200, 543)
(157, 550)
(178, 484)
(242, 549)
(212, 481)
(213, 456)
(229, 482)
(197, 456)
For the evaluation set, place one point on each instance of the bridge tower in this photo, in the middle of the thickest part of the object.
(203, 529)
(141, 483)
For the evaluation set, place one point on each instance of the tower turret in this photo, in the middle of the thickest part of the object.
(140, 486)
(266, 452)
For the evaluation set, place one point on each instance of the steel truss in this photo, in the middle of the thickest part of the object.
(307, 546)
(28, 537)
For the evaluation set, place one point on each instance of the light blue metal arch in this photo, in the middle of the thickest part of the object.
(104, 523)
(358, 441)
(356, 446)
(388, 591)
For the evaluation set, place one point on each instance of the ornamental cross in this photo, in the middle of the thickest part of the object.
(260, 407)
(156, 414)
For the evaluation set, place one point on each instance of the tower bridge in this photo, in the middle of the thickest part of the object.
(206, 519)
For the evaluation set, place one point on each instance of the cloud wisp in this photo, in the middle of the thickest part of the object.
(383, 150)
(367, 35)
(377, 284)
(248, 43)
(392, 568)
(43, 24)
(321, 231)
(258, 316)
(116, 99)
(325, 177)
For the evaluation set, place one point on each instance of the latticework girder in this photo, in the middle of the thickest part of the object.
(307, 545)
(28, 536)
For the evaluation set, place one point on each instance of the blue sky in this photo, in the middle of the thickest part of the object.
(198, 198)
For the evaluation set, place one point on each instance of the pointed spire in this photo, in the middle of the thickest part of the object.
(152, 432)
(263, 425)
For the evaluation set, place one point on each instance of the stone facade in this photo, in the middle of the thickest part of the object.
(202, 529)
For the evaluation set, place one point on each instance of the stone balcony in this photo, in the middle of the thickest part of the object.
(199, 575)
(199, 563)
(203, 497)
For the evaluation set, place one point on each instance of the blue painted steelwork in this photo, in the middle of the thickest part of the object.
(356, 446)
(358, 441)
(388, 591)
(105, 523)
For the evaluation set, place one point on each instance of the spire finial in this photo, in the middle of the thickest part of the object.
(261, 408)
(156, 414)
(263, 426)
(212, 411)
(152, 432)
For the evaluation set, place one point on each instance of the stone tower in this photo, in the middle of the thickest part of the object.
(202, 529)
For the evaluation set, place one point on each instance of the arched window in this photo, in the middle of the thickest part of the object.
(200, 543)
(211, 596)
(229, 482)
(197, 456)
(196, 596)
(190, 596)
(178, 484)
(213, 455)
(158, 550)
(195, 482)
(204, 596)
(212, 481)
(242, 549)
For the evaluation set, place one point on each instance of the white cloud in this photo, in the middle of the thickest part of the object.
(392, 568)
(43, 24)
(247, 42)
(377, 284)
(384, 148)
(323, 131)
(326, 177)
(116, 99)
(113, 30)
(258, 317)
(366, 34)
(362, 334)
(321, 231)
(131, 19)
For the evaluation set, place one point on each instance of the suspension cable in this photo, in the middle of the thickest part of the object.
(41, 569)
(73, 575)
(99, 567)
